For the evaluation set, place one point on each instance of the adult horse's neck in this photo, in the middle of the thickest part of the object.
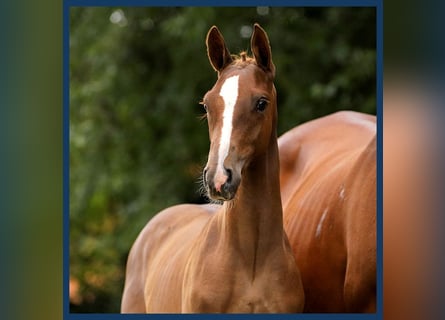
(253, 221)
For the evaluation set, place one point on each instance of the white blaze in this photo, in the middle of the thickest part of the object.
(229, 93)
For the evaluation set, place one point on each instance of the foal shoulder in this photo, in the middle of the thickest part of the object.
(176, 224)
(175, 227)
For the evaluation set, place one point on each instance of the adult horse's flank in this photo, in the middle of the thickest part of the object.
(235, 257)
(328, 183)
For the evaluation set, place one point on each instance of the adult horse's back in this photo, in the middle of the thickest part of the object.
(328, 183)
(235, 257)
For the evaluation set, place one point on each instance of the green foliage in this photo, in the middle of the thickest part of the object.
(136, 143)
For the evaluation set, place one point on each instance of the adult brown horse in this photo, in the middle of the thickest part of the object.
(235, 257)
(328, 183)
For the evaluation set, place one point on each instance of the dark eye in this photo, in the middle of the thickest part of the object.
(261, 105)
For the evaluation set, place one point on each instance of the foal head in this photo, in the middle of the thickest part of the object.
(241, 111)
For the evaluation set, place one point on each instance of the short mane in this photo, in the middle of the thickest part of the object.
(242, 60)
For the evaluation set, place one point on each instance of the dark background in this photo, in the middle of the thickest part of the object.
(135, 138)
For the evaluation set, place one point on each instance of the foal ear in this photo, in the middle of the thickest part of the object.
(217, 51)
(261, 49)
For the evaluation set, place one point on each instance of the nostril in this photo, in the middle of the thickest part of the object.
(229, 175)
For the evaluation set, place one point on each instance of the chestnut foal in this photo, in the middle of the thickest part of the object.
(235, 257)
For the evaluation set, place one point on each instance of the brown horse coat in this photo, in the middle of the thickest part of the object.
(328, 183)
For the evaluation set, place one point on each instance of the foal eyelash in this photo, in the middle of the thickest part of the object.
(204, 115)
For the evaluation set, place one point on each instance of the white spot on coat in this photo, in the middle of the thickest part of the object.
(342, 193)
(320, 224)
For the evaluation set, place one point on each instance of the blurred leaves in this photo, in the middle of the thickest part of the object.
(136, 143)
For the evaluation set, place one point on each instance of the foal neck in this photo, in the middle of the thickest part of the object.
(254, 217)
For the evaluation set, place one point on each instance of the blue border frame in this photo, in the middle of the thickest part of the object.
(378, 4)
(66, 158)
(379, 101)
(224, 3)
